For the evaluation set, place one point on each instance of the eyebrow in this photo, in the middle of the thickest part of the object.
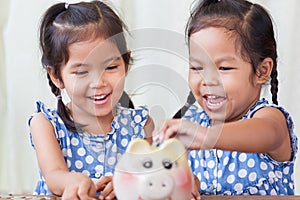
(111, 59)
(193, 59)
(75, 65)
(225, 58)
(108, 60)
(218, 60)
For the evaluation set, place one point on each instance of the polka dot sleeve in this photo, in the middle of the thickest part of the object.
(51, 115)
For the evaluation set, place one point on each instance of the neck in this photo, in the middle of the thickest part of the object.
(94, 124)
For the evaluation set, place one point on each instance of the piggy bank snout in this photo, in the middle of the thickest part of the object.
(157, 186)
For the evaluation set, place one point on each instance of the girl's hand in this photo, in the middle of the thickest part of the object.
(79, 186)
(105, 185)
(195, 193)
(192, 135)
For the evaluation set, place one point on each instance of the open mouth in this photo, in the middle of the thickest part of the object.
(100, 99)
(214, 102)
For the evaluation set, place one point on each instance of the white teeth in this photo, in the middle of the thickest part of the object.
(214, 104)
(214, 101)
(212, 97)
(99, 97)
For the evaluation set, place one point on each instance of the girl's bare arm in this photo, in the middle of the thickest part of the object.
(52, 163)
(265, 132)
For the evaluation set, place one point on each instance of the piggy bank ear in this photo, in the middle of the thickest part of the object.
(173, 145)
(138, 146)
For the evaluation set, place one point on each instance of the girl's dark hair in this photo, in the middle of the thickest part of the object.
(190, 100)
(64, 24)
(250, 23)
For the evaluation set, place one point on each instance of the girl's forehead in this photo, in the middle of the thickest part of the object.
(94, 45)
(90, 42)
(213, 32)
(212, 40)
(214, 45)
(92, 51)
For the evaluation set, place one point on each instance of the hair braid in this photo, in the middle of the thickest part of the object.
(62, 109)
(274, 85)
(190, 100)
(55, 90)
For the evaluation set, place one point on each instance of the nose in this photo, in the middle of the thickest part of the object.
(210, 77)
(163, 183)
(97, 80)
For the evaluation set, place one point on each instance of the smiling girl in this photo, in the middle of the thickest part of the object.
(240, 144)
(78, 144)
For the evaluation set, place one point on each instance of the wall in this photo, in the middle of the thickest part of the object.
(158, 46)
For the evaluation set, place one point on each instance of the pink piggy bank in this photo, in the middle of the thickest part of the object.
(145, 172)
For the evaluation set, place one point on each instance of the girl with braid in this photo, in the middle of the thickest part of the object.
(239, 143)
(78, 144)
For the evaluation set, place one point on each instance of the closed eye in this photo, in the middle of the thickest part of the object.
(196, 68)
(225, 68)
(81, 72)
(112, 67)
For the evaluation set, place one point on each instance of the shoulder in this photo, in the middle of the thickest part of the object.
(45, 117)
(129, 117)
(42, 118)
(281, 119)
(40, 124)
(49, 113)
(140, 111)
(196, 113)
(263, 108)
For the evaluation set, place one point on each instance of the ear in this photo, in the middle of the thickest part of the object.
(127, 65)
(264, 70)
(129, 53)
(56, 81)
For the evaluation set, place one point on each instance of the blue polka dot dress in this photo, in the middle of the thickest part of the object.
(90, 154)
(237, 173)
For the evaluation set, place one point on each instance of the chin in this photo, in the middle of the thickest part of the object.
(103, 113)
(216, 116)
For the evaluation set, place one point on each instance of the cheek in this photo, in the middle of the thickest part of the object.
(118, 88)
(117, 80)
(194, 82)
(75, 87)
(232, 89)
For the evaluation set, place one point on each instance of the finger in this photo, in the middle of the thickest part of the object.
(111, 195)
(195, 192)
(86, 191)
(168, 129)
(166, 125)
(107, 190)
(155, 136)
(196, 196)
(100, 185)
(70, 193)
(172, 130)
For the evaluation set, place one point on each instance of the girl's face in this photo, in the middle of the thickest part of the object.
(222, 82)
(94, 79)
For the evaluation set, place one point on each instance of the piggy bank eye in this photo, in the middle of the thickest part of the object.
(167, 164)
(147, 163)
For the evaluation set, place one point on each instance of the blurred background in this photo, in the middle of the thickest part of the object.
(157, 78)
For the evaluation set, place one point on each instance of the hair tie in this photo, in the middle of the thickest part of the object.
(66, 6)
(58, 97)
(187, 104)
